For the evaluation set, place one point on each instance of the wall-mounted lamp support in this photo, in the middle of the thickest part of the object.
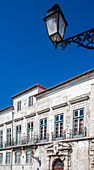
(84, 39)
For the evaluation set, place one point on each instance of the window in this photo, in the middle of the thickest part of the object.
(8, 158)
(59, 125)
(18, 106)
(43, 129)
(28, 156)
(1, 138)
(18, 134)
(78, 119)
(1, 158)
(9, 137)
(17, 157)
(30, 101)
(29, 132)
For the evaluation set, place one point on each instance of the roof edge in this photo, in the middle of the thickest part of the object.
(30, 88)
(66, 81)
(6, 108)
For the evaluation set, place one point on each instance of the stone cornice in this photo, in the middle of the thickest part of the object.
(31, 115)
(18, 119)
(1, 124)
(8, 122)
(43, 111)
(79, 99)
(59, 106)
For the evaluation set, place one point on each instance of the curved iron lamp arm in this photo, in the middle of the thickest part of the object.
(84, 39)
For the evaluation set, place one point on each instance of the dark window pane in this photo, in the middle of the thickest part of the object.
(76, 113)
(31, 125)
(57, 118)
(45, 121)
(81, 113)
(61, 117)
(41, 122)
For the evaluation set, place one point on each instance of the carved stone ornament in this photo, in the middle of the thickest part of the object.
(58, 149)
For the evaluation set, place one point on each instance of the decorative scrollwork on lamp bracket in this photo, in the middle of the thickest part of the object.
(84, 39)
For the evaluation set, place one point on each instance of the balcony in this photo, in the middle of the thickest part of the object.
(47, 138)
(78, 133)
(60, 136)
(26, 141)
(41, 139)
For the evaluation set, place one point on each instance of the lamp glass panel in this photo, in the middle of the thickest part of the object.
(55, 38)
(52, 23)
(61, 26)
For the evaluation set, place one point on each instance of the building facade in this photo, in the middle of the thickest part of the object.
(50, 129)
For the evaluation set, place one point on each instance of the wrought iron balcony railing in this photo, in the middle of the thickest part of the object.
(59, 136)
(78, 133)
(41, 139)
(26, 140)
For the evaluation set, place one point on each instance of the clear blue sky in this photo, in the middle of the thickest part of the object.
(28, 57)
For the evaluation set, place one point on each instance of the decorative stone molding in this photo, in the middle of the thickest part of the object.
(9, 122)
(31, 115)
(18, 119)
(43, 111)
(58, 149)
(59, 106)
(79, 99)
(1, 124)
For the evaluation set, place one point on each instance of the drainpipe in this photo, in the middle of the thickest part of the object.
(12, 140)
(88, 154)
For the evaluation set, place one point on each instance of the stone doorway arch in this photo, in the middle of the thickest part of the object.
(58, 164)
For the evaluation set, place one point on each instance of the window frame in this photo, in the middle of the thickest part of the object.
(59, 121)
(8, 135)
(1, 158)
(30, 156)
(1, 138)
(18, 105)
(30, 102)
(78, 122)
(18, 132)
(31, 131)
(19, 156)
(8, 155)
(44, 138)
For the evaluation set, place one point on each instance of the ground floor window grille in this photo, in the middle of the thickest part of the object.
(43, 129)
(59, 125)
(28, 156)
(78, 121)
(8, 158)
(17, 157)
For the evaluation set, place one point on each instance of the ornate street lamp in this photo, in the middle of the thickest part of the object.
(56, 25)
